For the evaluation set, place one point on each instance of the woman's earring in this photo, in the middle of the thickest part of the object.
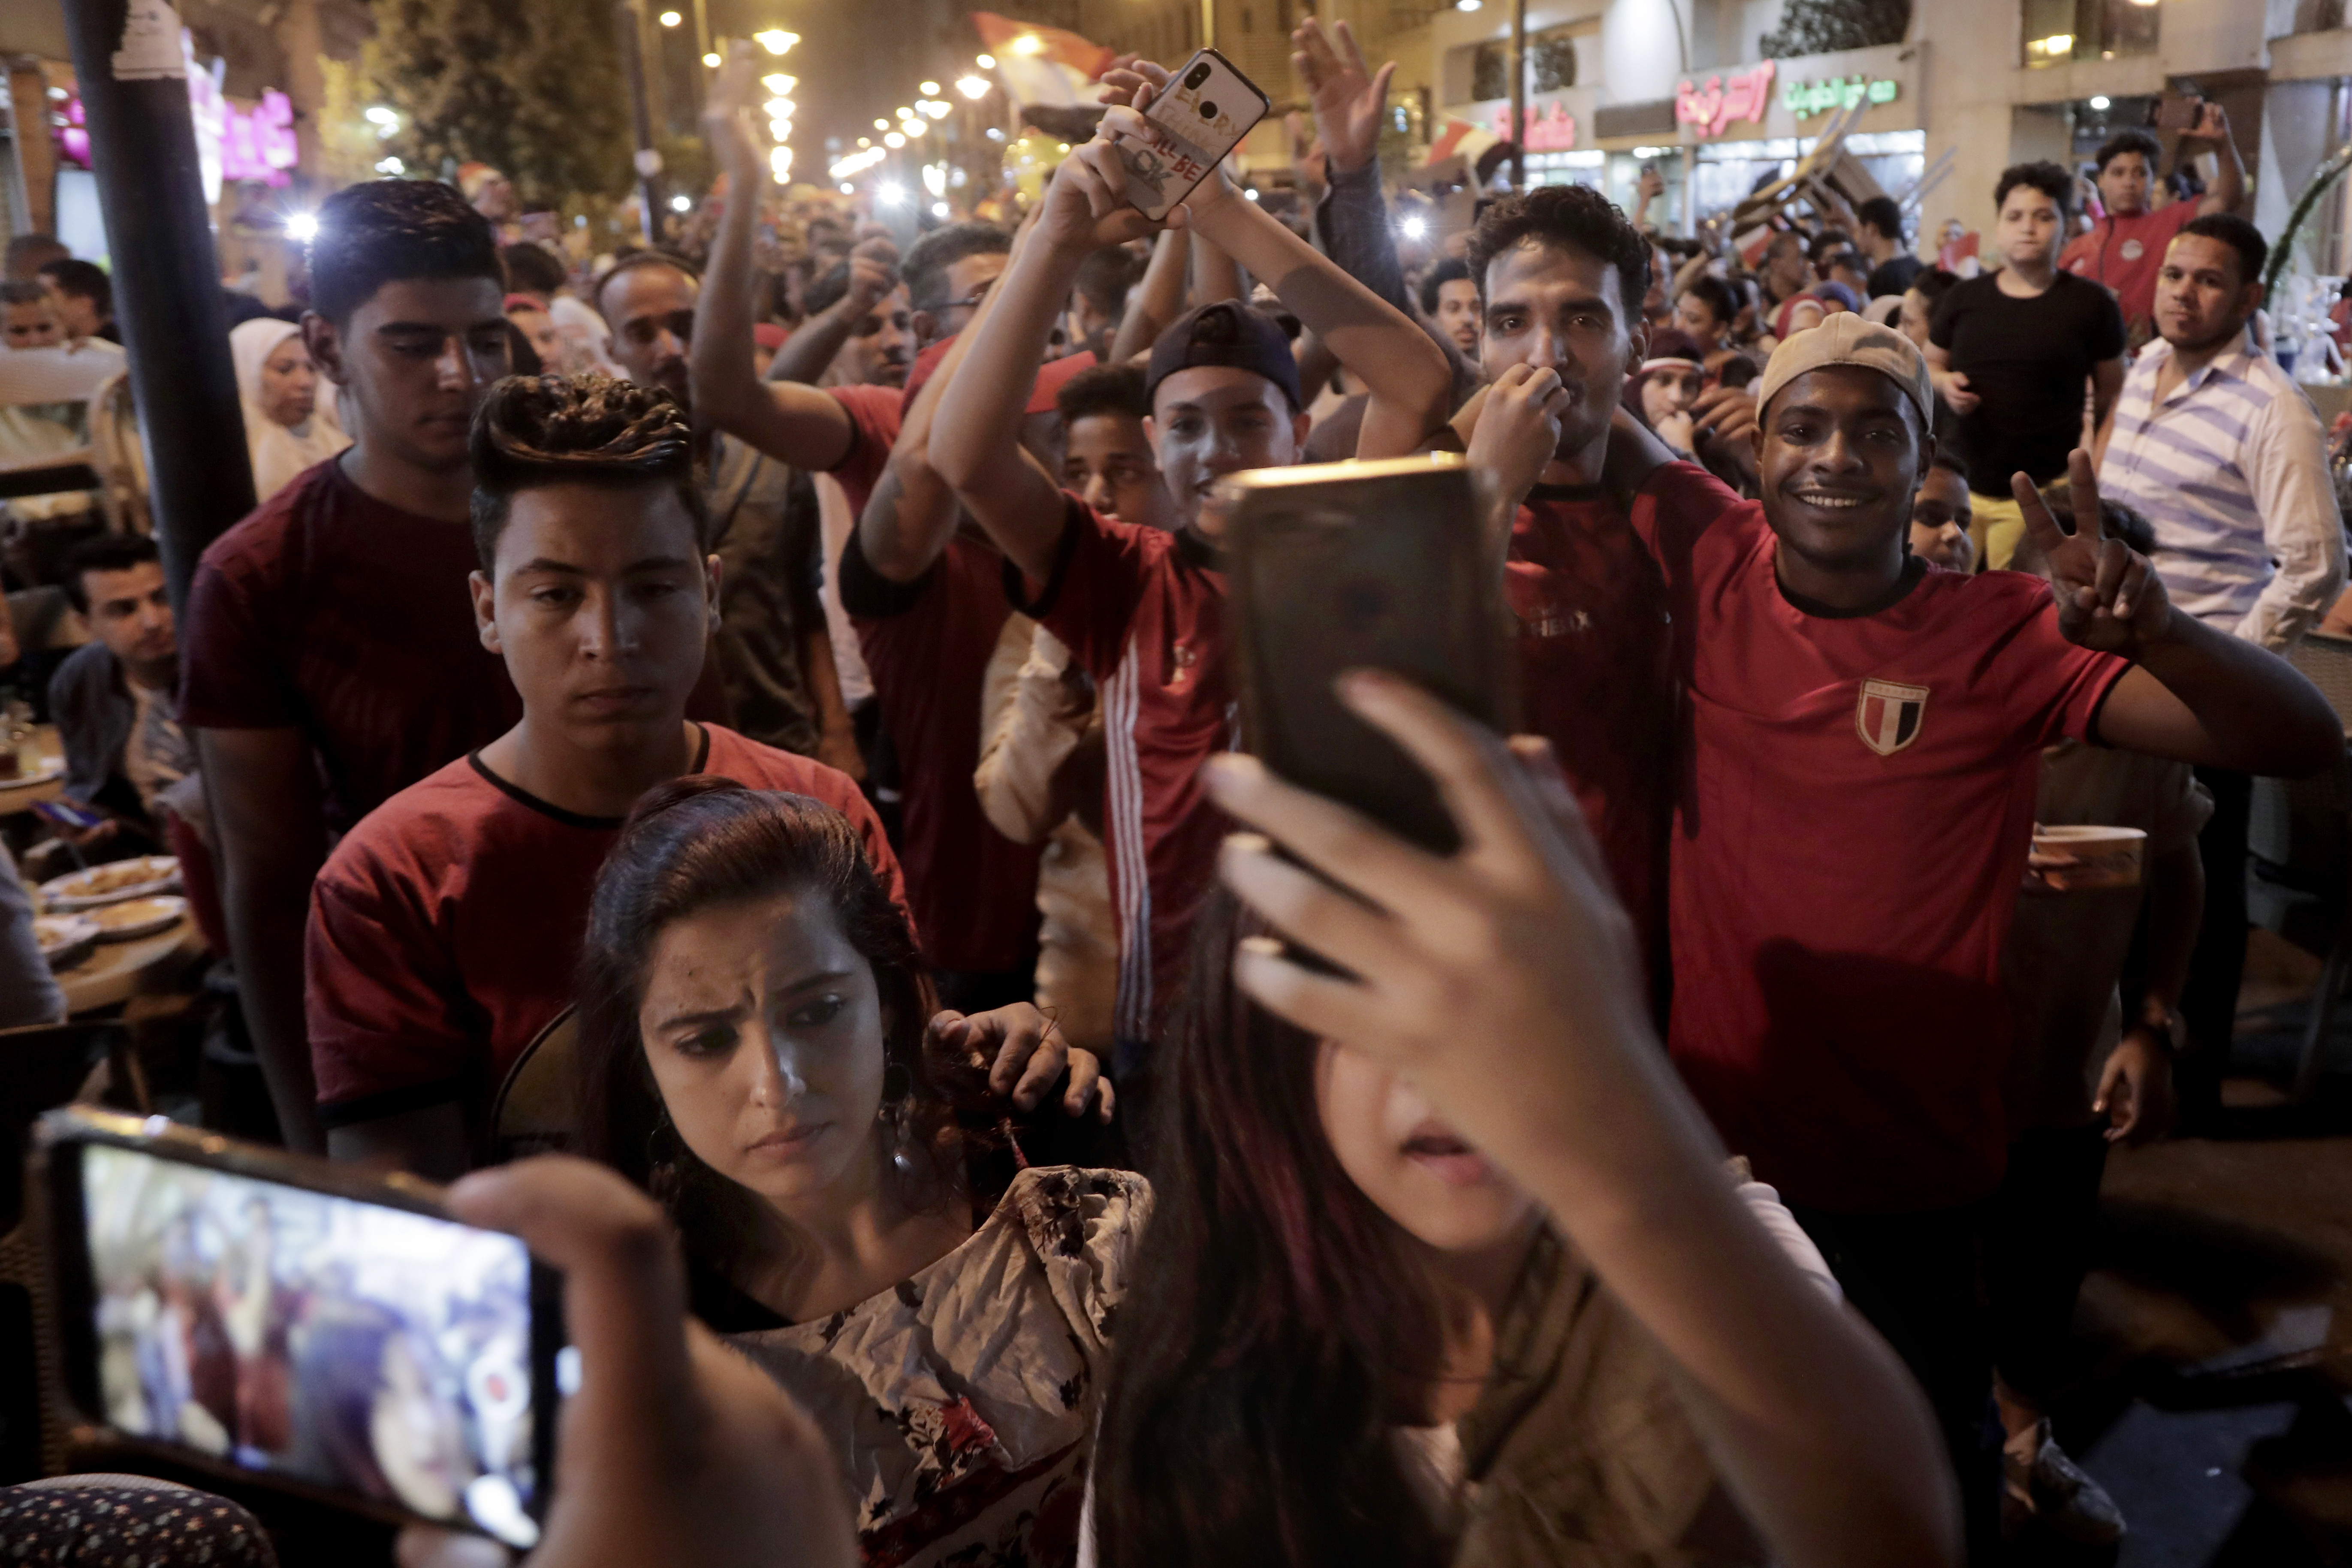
(899, 1111)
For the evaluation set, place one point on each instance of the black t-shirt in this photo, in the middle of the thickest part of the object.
(1895, 275)
(2027, 360)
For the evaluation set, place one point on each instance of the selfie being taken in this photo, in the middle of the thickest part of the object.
(1150, 785)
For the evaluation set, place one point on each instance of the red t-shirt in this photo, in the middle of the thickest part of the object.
(2124, 254)
(329, 612)
(1597, 678)
(876, 414)
(1856, 806)
(445, 928)
(1143, 612)
(927, 644)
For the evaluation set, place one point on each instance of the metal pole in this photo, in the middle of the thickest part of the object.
(167, 291)
(1518, 95)
(701, 55)
(1208, 24)
(630, 26)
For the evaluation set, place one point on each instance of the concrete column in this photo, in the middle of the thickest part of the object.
(306, 80)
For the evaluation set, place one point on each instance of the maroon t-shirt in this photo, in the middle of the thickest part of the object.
(329, 612)
(927, 644)
(1143, 612)
(446, 927)
(1857, 803)
(1597, 680)
(876, 414)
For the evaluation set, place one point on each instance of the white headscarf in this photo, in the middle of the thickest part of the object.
(280, 452)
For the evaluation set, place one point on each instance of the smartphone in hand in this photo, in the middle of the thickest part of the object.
(318, 1328)
(1363, 565)
(1196, 120)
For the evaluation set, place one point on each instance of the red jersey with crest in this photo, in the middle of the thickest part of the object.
(1143, 612)
(1856, 804)
(1595, 645)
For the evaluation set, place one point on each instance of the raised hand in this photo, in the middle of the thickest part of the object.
(871, 278)
(2108, 597)
(726, 119)
(1349, 101)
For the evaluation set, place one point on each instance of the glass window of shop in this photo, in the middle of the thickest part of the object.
(1552, 63)
(1727, 172)
(2057, 31)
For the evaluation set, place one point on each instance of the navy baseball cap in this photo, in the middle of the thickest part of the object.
(1225, 332)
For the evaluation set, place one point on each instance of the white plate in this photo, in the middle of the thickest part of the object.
(50, 768)
(140, 877)
(135, 917)
(64, 938)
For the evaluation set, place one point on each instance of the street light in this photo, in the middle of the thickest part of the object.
(779, 108)
(972, 88)
(780, 164)
(894, 140)
(776, 41)
(681, 203)
(916, 128)
(866, 141)
(2100, 103)
(930, 88)
(779, 84)
(670, 18)
(986, 62)
(881, 125)
(711, 59)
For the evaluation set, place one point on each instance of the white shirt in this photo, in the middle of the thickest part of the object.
(2231, 470)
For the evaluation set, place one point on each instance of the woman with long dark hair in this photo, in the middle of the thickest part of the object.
(758, 1048)
(1356, 1336)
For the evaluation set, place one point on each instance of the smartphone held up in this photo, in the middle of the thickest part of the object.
(1363, 565)
(1198, 119)
(245, 1311)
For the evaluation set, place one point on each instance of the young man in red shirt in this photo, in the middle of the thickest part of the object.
(329, 658)
(2126, 248)
(1856, 806)
(1562, 275)
(1141, 609)
(444, 929)
(924, 601)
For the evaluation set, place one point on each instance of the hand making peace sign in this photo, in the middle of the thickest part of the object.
(2108, 598)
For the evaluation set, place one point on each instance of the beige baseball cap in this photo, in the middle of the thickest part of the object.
(1848, 339)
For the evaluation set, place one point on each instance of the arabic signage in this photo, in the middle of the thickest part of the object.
(1806, 98)
(1735, 95)
(1550, 127)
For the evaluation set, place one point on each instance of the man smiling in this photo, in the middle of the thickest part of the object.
(1855, 807)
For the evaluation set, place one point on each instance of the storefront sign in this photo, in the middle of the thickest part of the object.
(1806, 98)
(1549, 129)
(232, 143)
(1741, 95)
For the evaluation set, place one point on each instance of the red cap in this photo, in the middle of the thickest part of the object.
(1050, 376)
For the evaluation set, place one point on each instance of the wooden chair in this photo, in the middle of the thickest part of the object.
(533, 1111)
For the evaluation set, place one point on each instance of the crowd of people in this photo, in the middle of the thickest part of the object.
(795, 684)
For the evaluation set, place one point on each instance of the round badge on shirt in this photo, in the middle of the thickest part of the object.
(2133, 250)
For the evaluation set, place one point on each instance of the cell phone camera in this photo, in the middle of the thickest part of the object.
(1196, 75)
(1208, 109)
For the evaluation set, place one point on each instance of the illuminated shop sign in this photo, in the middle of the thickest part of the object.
(1737, 95)
(1550, 129)
(1806, 98)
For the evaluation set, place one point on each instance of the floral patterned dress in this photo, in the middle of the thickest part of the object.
(960, 1401)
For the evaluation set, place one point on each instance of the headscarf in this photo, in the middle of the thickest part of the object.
(279, 452)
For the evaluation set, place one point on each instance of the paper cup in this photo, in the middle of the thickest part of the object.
(2076, 858)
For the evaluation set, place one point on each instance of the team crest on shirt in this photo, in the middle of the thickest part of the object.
(1889, 714)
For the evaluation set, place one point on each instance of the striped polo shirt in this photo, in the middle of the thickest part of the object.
(2231, 468)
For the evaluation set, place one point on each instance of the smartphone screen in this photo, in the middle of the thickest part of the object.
(376, 1353)
(1204, 113)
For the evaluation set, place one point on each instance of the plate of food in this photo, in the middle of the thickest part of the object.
(21, 777)
(64, 938)
(142, 877)
(135, 917)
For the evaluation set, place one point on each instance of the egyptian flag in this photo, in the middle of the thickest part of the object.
(1459, 138)
(1040, 65)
